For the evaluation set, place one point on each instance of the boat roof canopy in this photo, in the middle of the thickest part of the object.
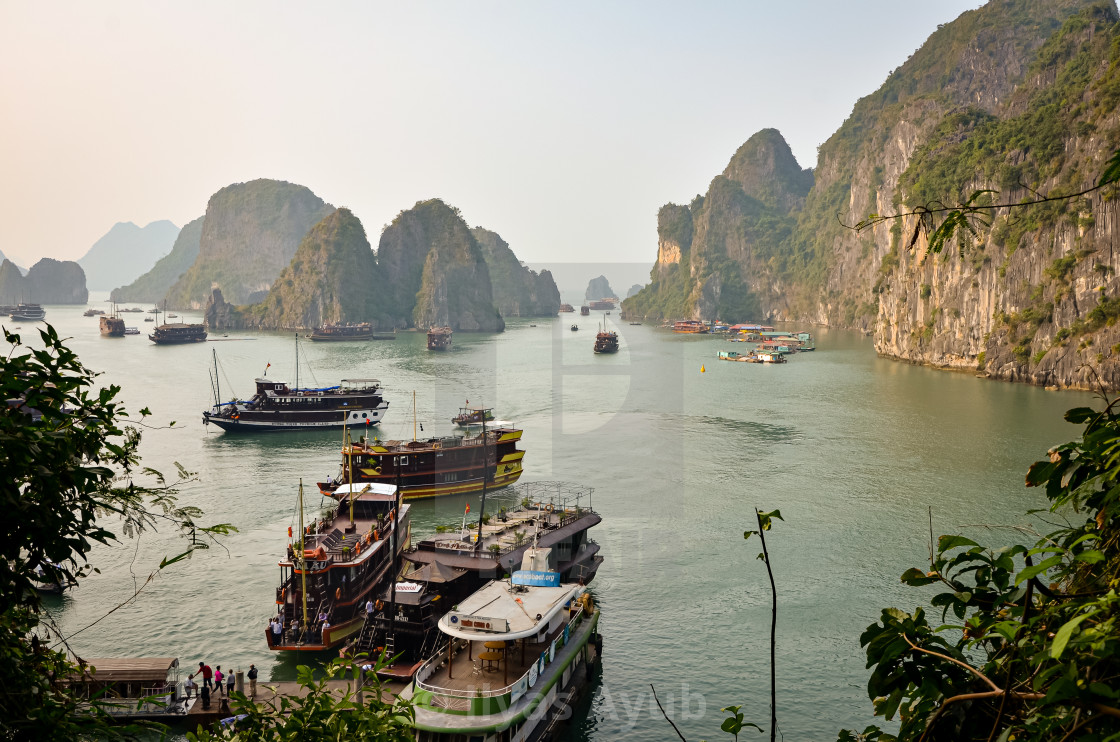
(367, 491)
(518, 606)
(376, 382)
(128, 669)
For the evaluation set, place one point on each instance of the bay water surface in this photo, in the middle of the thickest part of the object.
(679, 448)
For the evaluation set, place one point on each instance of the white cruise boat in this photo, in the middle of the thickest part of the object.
(515, 656)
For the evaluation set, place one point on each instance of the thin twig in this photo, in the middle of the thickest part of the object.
(773, 631)
(965, 665)
(674, 726)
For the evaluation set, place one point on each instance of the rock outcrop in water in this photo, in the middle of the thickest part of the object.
(125, 252)
(249, 234)
(49, 281)
(434, 272)
(599, 288)
(332, 278)
(153, 286)
(518, 291)
(1020, 96)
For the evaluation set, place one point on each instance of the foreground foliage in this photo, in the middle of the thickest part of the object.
(320, 712)
(70, 467)
(1026, 645)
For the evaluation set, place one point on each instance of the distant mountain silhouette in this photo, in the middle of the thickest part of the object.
(126, 252)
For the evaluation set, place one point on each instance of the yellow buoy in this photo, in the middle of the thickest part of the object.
(701, 368)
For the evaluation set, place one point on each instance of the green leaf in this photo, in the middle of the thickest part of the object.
(945, 543)
(1111, 172)
(1062, 636)
(1029, 572)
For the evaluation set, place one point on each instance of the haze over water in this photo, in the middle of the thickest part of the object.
(850, 447)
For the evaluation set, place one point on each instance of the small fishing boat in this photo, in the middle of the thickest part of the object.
(473, 416)
(575, 328)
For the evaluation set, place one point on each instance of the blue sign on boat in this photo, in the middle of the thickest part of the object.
(537, 579)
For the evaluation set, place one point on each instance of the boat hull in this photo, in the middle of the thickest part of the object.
(422, 491)
(249, 421)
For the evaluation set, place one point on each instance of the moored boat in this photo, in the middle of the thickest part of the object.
(575, 328)
(437, 466)
(335, 565)
(691, 326)
(439, 338)
(343, 332)
(566, 308)
(178, 333)
(585, 310)
(473, 416)
(93, 312)
(513, 659)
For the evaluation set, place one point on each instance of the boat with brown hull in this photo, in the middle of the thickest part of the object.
(450, 465)
(178, 333)
(342, 332)
(112, 326)
(335, 565)
(606, 342)
(439, 338)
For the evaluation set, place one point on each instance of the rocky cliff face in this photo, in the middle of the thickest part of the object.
(125, 252)
(47, 282)
(249, 234)
(332, 278)
(1019, 96)
(599, 288)
(153, 286)
(518, 291)
(435, 273)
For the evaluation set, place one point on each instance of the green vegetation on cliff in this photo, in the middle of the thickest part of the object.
(154, 285)
(518, 291)
(332, 278)
(435, 272)
(249, 234)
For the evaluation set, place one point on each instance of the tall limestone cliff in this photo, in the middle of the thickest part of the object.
(599, 288)
(154, 285)
(249, 234)
(1019, 96)
(332, 278)
(49, 281)
(125, 252)
(434, 272)
(518, 291)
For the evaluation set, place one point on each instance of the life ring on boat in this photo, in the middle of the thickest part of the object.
(375, 537)
(436, 444)
(378, 604)
(369, 537)
(338, 593)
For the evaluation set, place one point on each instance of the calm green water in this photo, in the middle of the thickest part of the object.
(850, 447)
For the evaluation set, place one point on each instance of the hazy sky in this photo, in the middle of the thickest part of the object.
(561, 125)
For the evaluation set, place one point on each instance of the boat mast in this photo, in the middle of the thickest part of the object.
(217, 386)
(350, 470)
(485, 471)
(414, 415)
(297, 360)
(302, 560)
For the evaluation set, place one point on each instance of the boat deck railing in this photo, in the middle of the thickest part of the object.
(504, 533)
(551, 649)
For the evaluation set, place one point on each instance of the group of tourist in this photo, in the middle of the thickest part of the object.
(214, 681)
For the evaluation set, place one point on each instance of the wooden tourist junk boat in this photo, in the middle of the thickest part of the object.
(691, 326)
(512, 659)
(28, 313)
(606, 304)
(342, 332)
(565, 308)
(405, 618)
(439, 338)
(335, 565)
(585, 310)
(450, 465)
(606, 342)
(112, 326)
(178, 333)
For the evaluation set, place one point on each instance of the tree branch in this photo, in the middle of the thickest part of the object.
(674, 726)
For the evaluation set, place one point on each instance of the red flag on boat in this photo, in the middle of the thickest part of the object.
(468, 507)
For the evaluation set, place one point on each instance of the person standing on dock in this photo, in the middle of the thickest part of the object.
(252, 681)
(218, 675)
(206, 672)
(189, 686)
(229, 683)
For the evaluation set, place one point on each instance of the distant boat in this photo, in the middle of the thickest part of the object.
(691, 326)
(606, 342)
(566, 308)
(28, 313)
(112, 326)
(342, 332)
(172, 316)
(178, 333)
(575, 328)
(92, 313)
(439, 338)
(132, 331)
